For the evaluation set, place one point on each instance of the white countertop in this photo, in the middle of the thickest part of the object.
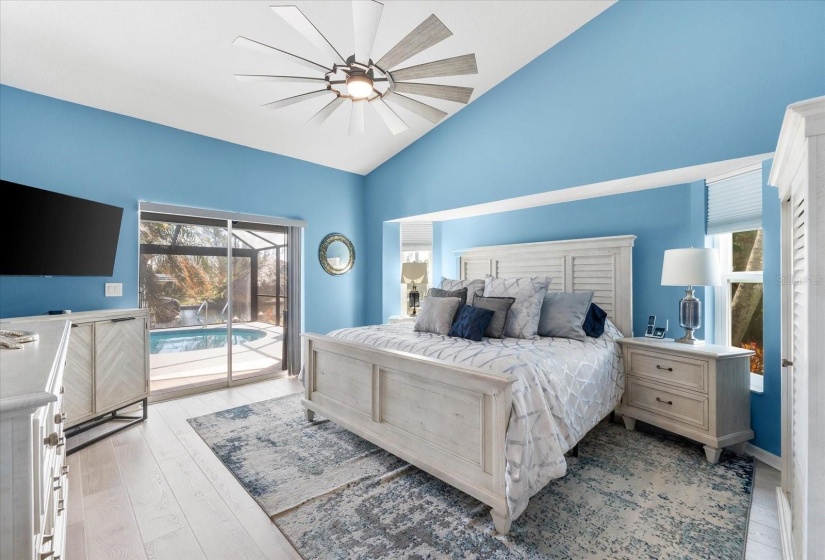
(708, 350)
(27, 375)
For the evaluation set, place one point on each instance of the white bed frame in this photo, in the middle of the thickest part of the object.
(449, 420)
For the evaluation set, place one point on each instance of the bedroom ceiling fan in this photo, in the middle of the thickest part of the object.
(360, 80)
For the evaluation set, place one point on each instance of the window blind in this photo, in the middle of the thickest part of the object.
(416, 236)
(735, 202)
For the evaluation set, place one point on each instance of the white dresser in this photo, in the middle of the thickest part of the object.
(700, 392)
(33, 474)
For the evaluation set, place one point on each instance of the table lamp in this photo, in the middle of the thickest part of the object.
(691, 267)
(413, 273)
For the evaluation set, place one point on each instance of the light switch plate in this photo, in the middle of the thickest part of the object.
(114, 290)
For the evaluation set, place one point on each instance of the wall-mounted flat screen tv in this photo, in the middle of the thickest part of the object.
(49, 234)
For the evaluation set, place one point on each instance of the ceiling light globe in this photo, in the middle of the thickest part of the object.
(359, 86)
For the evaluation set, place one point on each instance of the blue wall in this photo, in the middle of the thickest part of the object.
(660, 218)
(644, 87)
(119, 160)
(766, 408)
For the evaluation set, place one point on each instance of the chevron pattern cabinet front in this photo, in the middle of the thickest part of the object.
(120, 361)
(78, 377)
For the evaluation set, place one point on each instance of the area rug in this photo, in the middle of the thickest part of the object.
(627, 495)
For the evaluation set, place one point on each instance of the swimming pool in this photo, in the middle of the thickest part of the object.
(161, 342)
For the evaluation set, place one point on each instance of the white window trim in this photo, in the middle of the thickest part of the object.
(723, 242)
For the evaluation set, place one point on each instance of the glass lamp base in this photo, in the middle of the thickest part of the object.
(690, 317)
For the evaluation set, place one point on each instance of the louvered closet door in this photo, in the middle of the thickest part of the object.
(796, 272)
(120, 362)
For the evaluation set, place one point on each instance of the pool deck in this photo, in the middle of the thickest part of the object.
(176, 370)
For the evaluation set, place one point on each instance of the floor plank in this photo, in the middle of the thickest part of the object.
(273, 544)
(112, 531)
(214, 525)
(764, 534)
(178, 545)
(76, 530)
(161, 439)
(156, 510)
(99, 469)
(758, 551)
(765, 517)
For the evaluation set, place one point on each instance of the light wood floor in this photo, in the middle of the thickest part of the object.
(157, 492)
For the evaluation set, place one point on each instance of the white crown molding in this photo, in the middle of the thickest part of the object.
(617, 186)
(807, 117)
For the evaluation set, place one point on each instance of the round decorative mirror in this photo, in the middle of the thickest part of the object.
(337, 254)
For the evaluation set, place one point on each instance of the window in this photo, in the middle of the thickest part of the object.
(739, 299)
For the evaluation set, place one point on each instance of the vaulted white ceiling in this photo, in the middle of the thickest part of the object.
(173, 62)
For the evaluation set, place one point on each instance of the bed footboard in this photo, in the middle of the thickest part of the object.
(448, 420)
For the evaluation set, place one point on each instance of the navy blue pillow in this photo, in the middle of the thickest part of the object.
(471, 322)
(594, 321)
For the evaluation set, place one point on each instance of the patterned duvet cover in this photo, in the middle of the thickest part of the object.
(564, 388)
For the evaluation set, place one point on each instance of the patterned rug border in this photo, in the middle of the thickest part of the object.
(655, 433)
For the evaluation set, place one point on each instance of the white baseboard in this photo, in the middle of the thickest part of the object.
(766, 457)
(785, 532)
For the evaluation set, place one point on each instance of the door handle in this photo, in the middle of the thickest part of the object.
(121, 319)
(786, 362)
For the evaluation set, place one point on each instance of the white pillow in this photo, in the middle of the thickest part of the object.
(523, 317)
(473, 287)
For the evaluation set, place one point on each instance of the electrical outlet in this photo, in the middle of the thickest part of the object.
(114, 290)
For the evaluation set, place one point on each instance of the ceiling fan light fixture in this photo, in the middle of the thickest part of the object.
(359, 86)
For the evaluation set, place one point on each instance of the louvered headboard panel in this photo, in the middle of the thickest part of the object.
(603, 265)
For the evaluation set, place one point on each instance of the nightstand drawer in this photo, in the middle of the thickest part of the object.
(682, 406)
(687, 373)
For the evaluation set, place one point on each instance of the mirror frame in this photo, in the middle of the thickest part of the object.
(322, 254)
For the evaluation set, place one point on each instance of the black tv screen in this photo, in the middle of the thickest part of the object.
(49, 234)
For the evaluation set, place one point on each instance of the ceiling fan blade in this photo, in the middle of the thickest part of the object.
(266, 78)
(457, 66)
(393, 121)
(430, 32)
(450, 93)
(421, 109)
(366, 14)
(356, 118)
(324, 113)
(296, 18)
(295, 99)
(260, 47)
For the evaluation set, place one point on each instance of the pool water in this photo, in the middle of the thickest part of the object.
(161, 342)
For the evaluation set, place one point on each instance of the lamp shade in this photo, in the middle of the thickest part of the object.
(413, 272)
(691, 267)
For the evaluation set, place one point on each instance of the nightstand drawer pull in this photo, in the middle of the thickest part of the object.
(664, 368)
(661, 401)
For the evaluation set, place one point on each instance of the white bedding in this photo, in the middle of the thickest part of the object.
(564, 388)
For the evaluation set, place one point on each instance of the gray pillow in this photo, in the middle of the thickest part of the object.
(563, 314)
(500, 305)
(473, 287)
(436, 315)
(523, 317)
(460, 294)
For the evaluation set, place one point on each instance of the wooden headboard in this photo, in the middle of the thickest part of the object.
(603, 265)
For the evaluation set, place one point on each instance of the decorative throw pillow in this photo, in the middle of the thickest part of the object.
(523, 317)
(500, 306)
(473, 287)
(460, 294)
(563, 314)
(436, 315)
(471, 322)
(594, 321)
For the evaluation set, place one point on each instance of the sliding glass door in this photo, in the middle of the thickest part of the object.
(215, 319)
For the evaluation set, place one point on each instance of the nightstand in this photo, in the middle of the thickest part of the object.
(699, 392)
(401, 319)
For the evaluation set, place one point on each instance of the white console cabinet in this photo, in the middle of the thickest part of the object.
(33, 473)
(107, 366)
